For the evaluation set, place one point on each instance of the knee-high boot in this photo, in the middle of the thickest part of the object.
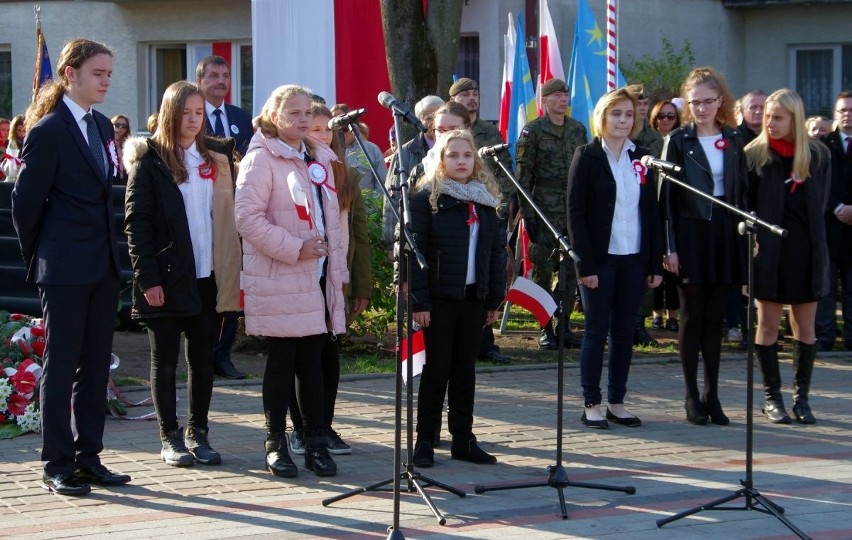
(803, 364)
(773, 407)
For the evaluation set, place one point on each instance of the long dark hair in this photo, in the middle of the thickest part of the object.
(74, 54)
(167, 136)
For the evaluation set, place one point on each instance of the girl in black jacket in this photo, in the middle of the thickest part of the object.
(702, 245)
(456, 227)
(789, 186)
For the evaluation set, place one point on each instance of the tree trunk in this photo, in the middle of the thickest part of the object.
(421, 52)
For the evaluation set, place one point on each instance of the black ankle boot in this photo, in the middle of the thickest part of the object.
(278, 460)
(803, 364)
(317, 458)
(714, 410)
(547, 338)
(695, 411)
(773, 407)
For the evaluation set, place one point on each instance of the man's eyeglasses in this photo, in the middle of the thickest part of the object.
(121, 125)
(695, 103)
(666, 116)
(844, 111)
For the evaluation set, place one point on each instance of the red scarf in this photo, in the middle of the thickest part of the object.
(786, 150)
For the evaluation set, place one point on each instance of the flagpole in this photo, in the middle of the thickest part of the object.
(611, 44)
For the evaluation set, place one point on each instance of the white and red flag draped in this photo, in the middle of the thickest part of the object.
(418, 352)
(528, 295)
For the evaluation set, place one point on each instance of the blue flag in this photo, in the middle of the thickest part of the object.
(42, 72)
(587, 74)
(522, 107)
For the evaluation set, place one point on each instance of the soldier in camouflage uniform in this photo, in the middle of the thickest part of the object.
(544, 153)
(465, 91)
(653, 141)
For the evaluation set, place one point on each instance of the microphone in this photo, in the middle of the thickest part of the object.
(666, 166)
(346, 119)
(486, 151)
(389, 102)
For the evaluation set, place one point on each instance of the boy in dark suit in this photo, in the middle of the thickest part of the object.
(62, 210)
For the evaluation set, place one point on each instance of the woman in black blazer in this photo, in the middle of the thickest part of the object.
(702, 245)
(613, 222)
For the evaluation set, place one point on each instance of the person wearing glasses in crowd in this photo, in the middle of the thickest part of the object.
(789, 185)
(665, 117)
(121, 124)
(702, 245)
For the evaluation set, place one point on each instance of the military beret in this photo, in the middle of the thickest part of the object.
(553, 85)
(461, 85)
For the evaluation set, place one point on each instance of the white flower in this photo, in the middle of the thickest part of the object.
(30, 420)
(5, 391)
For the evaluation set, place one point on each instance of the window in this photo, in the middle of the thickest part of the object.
(168, 65)
(467, 64)
(244, 84)
(819, 74)
(5, 82)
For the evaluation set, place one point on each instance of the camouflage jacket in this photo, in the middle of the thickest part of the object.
(544, 155)
(486, 134)
(650, 139)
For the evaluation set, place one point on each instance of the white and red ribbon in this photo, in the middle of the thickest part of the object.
(300, 199)
(318, 175)
(640, 170)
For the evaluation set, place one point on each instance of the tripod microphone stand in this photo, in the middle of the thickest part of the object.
(557, 475)
(753, 499)
(406, 248)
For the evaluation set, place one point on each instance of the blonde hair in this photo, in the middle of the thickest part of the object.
(275, 104)
(715, 80)
(74, 54)
(436, 175)
(607, 102)
(757, 151)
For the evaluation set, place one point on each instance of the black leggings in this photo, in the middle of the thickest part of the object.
(164, 335)
(330, 382)
(702, 307)
(289, 357)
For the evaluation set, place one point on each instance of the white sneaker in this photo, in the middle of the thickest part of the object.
(734, 335)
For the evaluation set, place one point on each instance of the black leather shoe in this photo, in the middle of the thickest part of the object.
(278, 460)
(714, 410)
(642, 337)
(226, 370)
(775, 412)
(695, 412)
(497, 357)
(101, 476)
(468, 450)
(547, 341)
(597, 424)
(629, 421)
(424, 454)
(318, 459)
(65, 484)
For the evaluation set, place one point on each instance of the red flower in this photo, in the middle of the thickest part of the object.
(721, 144)
(17, 404)
(24, 382)
(207, 172)
(16, 317)
(37, 331)
(38, 347)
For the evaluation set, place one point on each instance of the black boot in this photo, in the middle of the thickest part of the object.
(317, 458)
(803, 364)
(773, 408)
(547, 339)
(277, 457)
(641, 336)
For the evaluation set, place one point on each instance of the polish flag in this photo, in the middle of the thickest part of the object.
(528, 295)
(549, 59)
(506, 88)
(526, 260)
(299, 198)
(418, 351)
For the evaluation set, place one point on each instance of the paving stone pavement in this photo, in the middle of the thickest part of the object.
(674, 466)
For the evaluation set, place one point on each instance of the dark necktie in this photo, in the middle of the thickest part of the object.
(219, 127)
(848, 142)
(95, 142)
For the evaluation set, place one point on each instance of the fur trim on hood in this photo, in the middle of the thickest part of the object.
(133, 150)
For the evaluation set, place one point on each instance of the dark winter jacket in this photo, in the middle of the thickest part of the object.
(443, 237)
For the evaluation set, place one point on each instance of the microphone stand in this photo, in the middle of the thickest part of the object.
(557, 475)
(406, 248)
(752, 497)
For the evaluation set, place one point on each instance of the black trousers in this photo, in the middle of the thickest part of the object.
(330, 381)
(79, 321)
(702, 308)
(452, 343)
(289, 357)
(164, 334)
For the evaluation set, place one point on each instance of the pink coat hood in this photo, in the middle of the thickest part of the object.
(282, 294)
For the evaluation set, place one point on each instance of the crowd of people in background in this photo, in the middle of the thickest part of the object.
(228, 216)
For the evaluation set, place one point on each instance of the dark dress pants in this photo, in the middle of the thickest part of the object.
(330, 382)
(289, 357)
(610, 310)
(79, 321)
(452, 343)
(164, 334)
